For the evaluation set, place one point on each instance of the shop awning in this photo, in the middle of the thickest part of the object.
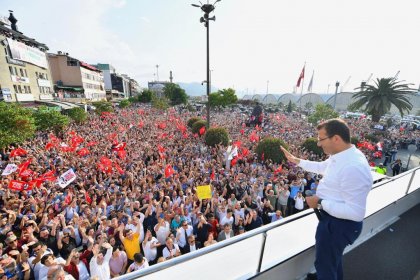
(76, 89)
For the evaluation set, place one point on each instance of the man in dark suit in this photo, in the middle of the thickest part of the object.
(192, 245)
(226, 233)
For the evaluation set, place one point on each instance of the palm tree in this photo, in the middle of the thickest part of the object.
(377, 99)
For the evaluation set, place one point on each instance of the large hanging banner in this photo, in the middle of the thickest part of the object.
(22, 52)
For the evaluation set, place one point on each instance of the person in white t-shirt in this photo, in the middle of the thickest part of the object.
(228, 219)
(162, 229)
(171, 250)
(99, 264)
(140, 262)
(150, 244)
(299, 202)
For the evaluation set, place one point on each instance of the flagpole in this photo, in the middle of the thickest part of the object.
(301, 89)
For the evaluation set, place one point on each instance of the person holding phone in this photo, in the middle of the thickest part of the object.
(340, 197)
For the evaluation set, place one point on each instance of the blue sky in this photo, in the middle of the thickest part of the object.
(251, 42)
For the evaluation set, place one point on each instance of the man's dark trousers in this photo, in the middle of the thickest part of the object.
(332, 236)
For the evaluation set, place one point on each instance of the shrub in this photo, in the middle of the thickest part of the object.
(50, 120)
(192, 121)
(217, 135)
(354, 140)
(197, 125)
(16, 124)
(78, 115)
(102, 106)
(372, 138)
(311, 145)
(160, 103)
(124, 103)
(271, 148)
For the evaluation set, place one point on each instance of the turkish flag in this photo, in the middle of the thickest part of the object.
(141, 124)
(83, 152)
(18, 152)
(169, 171)
(49, 146)
(91, 143)
(87, 198)
(24, 165)
(160, 148)
(233, 162)
(119, 169)
(242, 131)
(279, 169)
(301, 77)
(202, 130)
(212, 175)
(122, 154)
(245, 152)
(237, 144)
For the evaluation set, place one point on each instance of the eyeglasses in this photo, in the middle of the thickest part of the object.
(322, 139)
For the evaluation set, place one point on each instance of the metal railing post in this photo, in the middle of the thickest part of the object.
(262, 252)
(411, 180)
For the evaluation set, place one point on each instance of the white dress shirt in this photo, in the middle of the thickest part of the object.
(345, 185)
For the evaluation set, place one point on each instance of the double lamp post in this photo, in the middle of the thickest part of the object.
(207, 9)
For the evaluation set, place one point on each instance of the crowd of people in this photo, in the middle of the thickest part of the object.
(118, 193)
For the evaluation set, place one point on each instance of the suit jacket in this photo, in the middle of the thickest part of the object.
(222, 235)
(186, 249)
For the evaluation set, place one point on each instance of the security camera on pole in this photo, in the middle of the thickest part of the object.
(207, 9)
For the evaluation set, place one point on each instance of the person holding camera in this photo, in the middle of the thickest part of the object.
(341, 195)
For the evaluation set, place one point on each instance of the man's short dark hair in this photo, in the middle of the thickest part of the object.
(138, 257)
(336, 127)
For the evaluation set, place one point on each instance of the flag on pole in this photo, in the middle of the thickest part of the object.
(301, 76)
(310, 82)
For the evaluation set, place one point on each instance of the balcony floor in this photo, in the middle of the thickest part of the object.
(393, 253)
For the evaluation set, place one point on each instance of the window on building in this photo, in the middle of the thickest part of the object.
(20, 89)
(46, 76)
(26, 73)
(29, 89)
(11, 70)
(72, 62)
(22, 73)
(16, 72)
(15, 88)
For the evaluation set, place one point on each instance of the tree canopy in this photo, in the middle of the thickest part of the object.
(223, 97)
(16, 124)
(377, 99)
(146, 96)
(50, 120)
(175, 94)
(322, 112)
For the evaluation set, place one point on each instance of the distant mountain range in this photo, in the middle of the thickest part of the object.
(196, 89)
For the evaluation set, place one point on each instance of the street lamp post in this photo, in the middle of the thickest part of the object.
(207, 9)
(337, 84)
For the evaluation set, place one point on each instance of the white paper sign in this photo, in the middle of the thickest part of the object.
(65, 179)
(10, 168)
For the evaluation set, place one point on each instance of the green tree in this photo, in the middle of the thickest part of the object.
(215, 99)
(146, 96)
(377, 99)
(198, 125)
(160, 103)
(228, 96)
(289, 107)
(311, 145)
(217, 135)
(309, 106)
(50, 120)
(124, 103)
(192, 120)
(78, 115)
(175, 94)
(322, 112)
(270, 147)
(102, 106)
(16, 124)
